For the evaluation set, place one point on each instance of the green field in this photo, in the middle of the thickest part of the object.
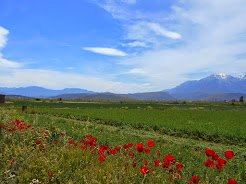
(129, 105)
(218, 126)
(184, 133)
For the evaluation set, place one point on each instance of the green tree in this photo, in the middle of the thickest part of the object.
(241, 99)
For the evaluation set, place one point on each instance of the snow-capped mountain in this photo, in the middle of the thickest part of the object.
(213, 84)
(241, 77)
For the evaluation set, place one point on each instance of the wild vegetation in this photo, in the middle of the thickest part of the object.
(82, 146)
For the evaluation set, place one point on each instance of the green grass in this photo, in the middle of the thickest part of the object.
(219, 126)
(129, 105)
(72, 165)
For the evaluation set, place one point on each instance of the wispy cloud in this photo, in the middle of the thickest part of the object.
(134, 44)
(213, 36)
(149, 32)
(136, 71)
(4, 63)
(45, 78)
(3, 36)
(106, 51)
(128, 1)
(159, 30)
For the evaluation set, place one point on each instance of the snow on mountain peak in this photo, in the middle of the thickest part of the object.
(241, 77)
(221, 76)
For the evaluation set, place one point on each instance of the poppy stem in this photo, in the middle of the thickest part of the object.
(144, 178)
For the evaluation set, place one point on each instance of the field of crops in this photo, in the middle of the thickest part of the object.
(110, 144)
(48, 149)
(129, 105)
(218, 126)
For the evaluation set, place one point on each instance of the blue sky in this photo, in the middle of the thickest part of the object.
(119, 46)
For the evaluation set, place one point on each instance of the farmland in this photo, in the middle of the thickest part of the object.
(183, 132)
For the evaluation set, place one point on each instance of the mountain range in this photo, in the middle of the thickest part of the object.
(216, 87)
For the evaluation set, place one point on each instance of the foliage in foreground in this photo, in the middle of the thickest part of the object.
(49, 155)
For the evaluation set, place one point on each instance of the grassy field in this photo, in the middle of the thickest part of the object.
(183, 133)
(129, 105)
(218, 126)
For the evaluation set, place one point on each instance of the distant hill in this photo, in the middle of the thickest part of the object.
(71, 96)
(19, 97)
(211, 85)
(223, 97)
(106, 97)
(151, 96)
(39, 92)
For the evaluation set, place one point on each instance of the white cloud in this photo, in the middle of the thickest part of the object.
(159, 30)
(59, 80)
(213, 36)
(136, 71)
(150, 32)
(4, 63)
(106, 51)
(3, 36)
(135, 44)
(128, 1)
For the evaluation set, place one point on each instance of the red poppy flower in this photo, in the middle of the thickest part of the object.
(147, 150)
(12, 161)
(145, 162)
(131, 154)
(134, 164)
(140, 147)
(75, 144)
(2, 126)
(151, 143)
(166, 164)
(125, 146)
(54, 128)
(113, 152)
(102, 158)
(70, 142)
(215, 157)
(55, 142)
(62, 134)
(229, 154)
(87, 143)
(170, 158)
(51, 174)
(221, 161)
(209, 163)
(195, 179)
(94, 140)
(209, 152)
(144, 170)
(157, 163)
(189, 181)
(130, 145)
(83, 147)
(100, 152)
(117, 148)
(88, 136)
(231, 181)
(180, 166)
(219, 167)
(158, 154)
(38, 142)
(42, 147)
